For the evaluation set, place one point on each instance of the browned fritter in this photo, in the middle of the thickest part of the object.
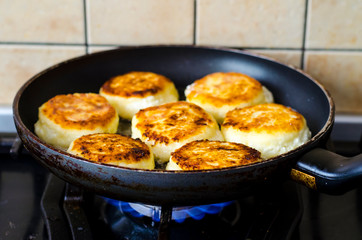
(269, 118)
(205, 154)
(225, 89)
(110, 148)
(135, 84)
(79, 111)
(172, 122)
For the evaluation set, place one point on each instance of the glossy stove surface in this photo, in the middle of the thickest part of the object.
(22, 182)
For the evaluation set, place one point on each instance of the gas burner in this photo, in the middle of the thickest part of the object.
(179, 214)
(127, 223)
(271, 214)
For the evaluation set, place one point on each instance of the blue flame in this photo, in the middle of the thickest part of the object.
(127, 208)
(179, 214)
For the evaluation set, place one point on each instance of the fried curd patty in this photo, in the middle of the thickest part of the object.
(114, 149)
(169, 126)
(133, 91)
(64, 118)
(271, 128)
(205, 154)
(221, 92)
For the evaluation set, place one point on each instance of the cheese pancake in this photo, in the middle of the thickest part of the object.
(169, 126)
(271, 128)
(66, 117)
(205, 154)
(114, 149)
(221, 92)
(133, 91)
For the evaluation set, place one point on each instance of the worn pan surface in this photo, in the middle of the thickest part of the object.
(182, 64)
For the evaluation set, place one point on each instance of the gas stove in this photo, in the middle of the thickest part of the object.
(34, 204)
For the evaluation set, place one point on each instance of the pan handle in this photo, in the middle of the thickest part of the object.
(328, 172)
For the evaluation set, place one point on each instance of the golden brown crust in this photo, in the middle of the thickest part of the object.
(172, 122)
(79, 111)
(205, 154)
(269, 118)
(224, 89)
(135, 84)
(110, 148)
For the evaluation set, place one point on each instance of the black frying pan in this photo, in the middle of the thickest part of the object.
(184, 64)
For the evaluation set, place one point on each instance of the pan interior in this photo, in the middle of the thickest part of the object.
(182, 65)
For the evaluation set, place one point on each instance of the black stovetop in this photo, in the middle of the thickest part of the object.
(320, 216)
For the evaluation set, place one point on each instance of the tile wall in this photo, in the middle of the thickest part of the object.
(323, 37)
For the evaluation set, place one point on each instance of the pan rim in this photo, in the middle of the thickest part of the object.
(327, 126)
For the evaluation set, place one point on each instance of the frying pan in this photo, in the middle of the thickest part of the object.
(309, 163)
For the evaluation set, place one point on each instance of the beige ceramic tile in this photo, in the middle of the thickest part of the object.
(341, 73)
(288, 57)
(42, 21)
(20, 63)
(93, 49)
(334, 24)
(250, 23)
(136, 22)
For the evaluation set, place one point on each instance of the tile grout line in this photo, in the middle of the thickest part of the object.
(56, 44)
(85, 26)
(195, 16)
(304, 34)
(43, 44)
